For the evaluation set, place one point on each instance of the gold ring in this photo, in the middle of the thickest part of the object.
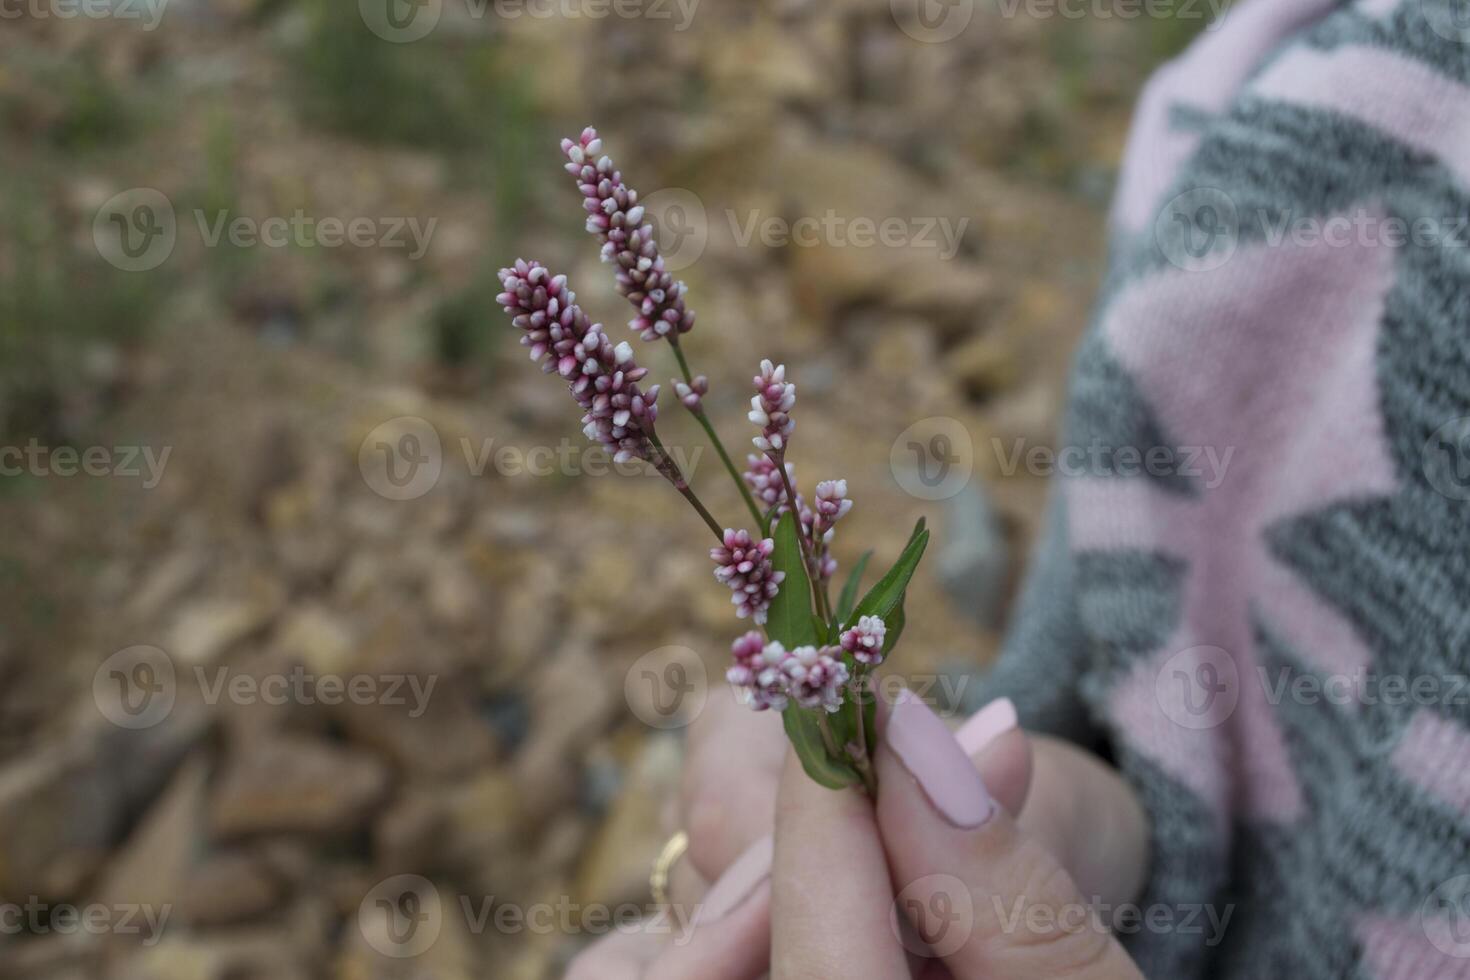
(658, 878)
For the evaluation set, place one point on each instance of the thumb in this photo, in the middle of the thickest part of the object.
(984, 896)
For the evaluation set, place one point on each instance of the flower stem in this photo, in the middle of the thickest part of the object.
(808, 547)
(828, 738)
(670, 470)
(714, 439)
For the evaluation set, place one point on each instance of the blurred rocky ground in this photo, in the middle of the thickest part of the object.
(505, 602)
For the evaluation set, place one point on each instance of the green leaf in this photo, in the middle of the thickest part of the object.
(850, 590)
(895, 623)
(789, 620)
(884, 597)
(805, 733)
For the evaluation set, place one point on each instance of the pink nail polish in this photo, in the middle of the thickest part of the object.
(987, 725)
(934, 758)
(739, 881)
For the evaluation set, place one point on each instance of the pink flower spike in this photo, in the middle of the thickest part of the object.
(744, 565)
(831, 506)
(617, 219)
(692, 395)
(771, 408)
(602, 377)
(815, 677)
(771, 676)
(764, 480)
(865, 640)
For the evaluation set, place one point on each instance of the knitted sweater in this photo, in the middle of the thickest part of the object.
(1254, 597)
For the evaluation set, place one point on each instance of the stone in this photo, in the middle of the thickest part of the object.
(206, 628)
(973, 563)
(318, 638)
(153, 864)
(229, 888)
(453, 595)
(296, 784)
(65, 805)
(615, 868)
(164, 582)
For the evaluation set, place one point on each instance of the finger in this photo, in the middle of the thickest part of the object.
(831, 894)
(728, 936)
(989, 900)
(1064, 798)
(1001, 753)
(1081, 810)
(619, 956)
(731, 770)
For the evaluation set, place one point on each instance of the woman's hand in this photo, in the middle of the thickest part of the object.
(1075, 807)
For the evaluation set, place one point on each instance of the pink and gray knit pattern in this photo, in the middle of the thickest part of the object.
(1275, 653)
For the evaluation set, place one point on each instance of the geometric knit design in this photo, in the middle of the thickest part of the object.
(1167, 615)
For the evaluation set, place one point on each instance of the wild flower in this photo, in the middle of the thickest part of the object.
(764, 479)
(865, 640)
(770, 408)
(744, 564)
(792, 666)
(603, 377)
(617, 219)
(813, 677)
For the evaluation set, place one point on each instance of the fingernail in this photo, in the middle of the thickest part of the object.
(987, 725)
(929, 751)
(738, 882)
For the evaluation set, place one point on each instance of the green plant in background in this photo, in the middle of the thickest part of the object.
(66, 101)
(57, 307)
(360, 85)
